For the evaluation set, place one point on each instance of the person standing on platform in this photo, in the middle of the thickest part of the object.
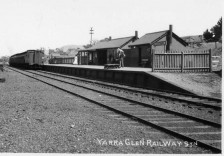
(121, 56)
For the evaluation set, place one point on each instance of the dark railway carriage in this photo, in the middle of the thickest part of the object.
(29, 59)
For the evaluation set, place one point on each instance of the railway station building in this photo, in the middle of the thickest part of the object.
(162, 42)
(138, 51)
(105, 52)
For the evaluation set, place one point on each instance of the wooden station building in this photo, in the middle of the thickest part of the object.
(137, 50)
(163, 41)
(105, 52)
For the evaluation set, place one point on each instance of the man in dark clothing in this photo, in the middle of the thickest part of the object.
(121, 56)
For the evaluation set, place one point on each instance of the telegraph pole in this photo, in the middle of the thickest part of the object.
(91, 33)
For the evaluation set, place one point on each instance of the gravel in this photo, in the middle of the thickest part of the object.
(205, 84)
(196, 111)
(37, 118)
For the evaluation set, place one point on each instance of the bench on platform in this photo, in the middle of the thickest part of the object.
(111, 66)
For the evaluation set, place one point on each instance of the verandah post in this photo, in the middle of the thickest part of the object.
(153, 60)
(210, 60)
(182, 61)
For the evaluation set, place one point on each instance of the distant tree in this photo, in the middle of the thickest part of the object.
(4, 59)
(90, 45)
(94, 42)
(51, 51)
(87, 46)
(207, 36)
(217, 31)
(43, 50)
(60, 51)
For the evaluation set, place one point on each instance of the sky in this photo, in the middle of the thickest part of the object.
(32, 24)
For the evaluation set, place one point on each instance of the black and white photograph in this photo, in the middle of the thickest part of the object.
(110, 77)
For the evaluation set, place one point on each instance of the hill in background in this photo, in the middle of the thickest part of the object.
(211, 45)
(67, 47)
(71, 50)
(67, 50)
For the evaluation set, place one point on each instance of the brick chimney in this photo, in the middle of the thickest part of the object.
(110, 38)
(170, 34)
(169, 37)
(136, 34)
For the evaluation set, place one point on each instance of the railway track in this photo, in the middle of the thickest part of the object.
(210, 113)
(203, 132)
(207, 102)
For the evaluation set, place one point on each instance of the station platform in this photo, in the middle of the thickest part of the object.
(102, 67)
(130, 76)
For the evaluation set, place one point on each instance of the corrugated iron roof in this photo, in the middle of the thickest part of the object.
(148, 38)
(114, 43)
(127, 46)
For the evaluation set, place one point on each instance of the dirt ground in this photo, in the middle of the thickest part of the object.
(206, 84)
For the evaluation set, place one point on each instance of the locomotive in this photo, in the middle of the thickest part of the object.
(30, 59)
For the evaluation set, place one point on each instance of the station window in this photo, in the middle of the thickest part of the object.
(90, 56)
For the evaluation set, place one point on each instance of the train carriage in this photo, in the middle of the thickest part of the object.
(29, 59)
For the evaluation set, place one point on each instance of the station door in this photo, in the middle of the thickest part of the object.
(102, 57)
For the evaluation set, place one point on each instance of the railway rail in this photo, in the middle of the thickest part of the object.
(207, 102)
(205, 133)
(212, 114)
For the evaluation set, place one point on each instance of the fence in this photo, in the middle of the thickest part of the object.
(182, 61)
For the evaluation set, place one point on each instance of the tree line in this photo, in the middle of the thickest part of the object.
(215, 33)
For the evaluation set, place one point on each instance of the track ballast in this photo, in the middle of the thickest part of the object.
(203, 132)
